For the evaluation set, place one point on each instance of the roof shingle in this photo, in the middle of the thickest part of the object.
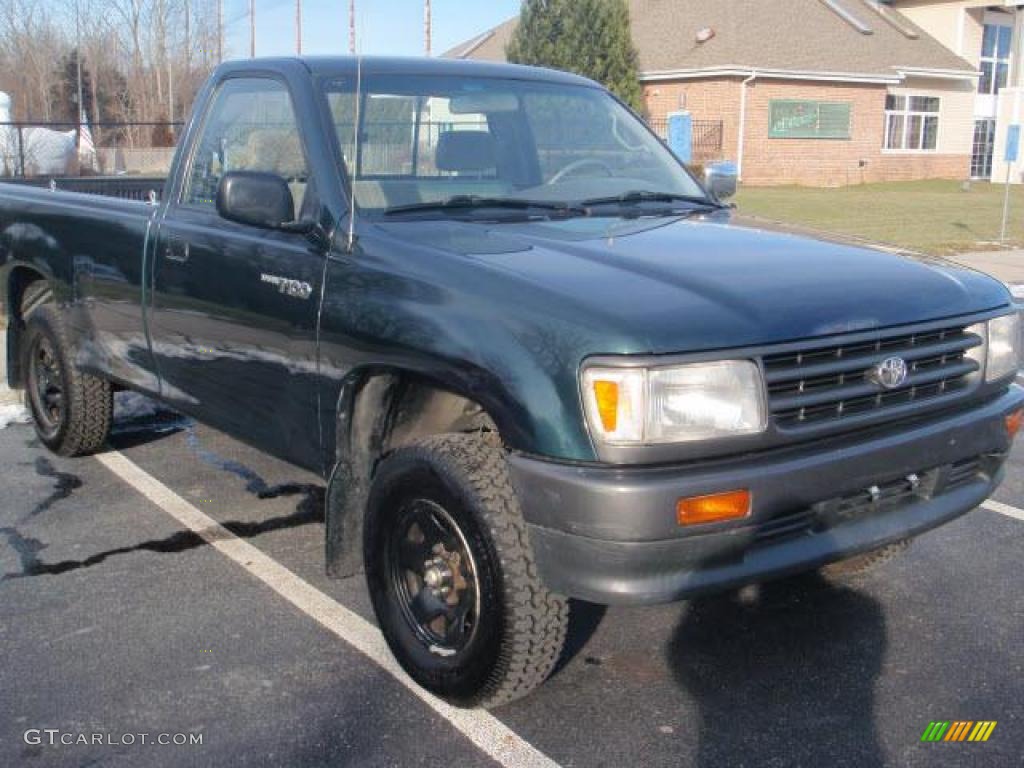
(804, 36)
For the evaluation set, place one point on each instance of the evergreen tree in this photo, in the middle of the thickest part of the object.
(64, 91)
(589, 37)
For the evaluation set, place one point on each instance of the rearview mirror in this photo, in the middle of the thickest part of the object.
(721, 179)
(485, 103)
(258, 199)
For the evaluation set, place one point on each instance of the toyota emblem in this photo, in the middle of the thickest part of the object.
(890, 373)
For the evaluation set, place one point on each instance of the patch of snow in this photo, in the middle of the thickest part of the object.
(13, 413)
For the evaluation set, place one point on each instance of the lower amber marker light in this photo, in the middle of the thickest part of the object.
(1014, 421)
(714, 508)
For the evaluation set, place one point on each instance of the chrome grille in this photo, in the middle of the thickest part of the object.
(831, 382)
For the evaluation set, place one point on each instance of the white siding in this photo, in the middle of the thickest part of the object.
(956, 110)
(945, 22)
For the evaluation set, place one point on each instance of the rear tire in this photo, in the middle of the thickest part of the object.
(497, 631)
(72, 411)
(868, 561)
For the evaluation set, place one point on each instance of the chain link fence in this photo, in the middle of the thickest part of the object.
(33, 150)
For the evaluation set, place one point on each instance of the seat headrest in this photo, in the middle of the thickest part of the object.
(275, 151)
(466, 151)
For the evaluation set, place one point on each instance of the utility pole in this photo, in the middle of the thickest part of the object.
(78, 63)
(252, 29)
(298, 27)
(186, 95)
(170, 90)
(352, 27)
(188, 39)
(220, 31)
(426, 26)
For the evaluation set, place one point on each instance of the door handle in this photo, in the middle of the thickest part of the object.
(176, 250)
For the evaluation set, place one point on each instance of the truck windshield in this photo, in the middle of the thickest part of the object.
(428, 141)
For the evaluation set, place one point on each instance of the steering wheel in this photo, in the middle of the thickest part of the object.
(575, 165)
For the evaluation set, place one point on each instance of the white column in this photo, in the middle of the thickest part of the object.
(1009, 111)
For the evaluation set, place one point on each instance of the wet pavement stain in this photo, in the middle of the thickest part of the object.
(65, 484)
(25, 547)
(308, 512)
(254, 483)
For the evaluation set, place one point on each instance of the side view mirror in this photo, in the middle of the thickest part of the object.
(721, 179)
(258, 199)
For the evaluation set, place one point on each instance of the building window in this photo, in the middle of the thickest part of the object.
(984, 148)
(911, 122)
(995, 58)
(789, 119)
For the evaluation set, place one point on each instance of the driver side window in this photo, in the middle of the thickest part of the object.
(250, 126)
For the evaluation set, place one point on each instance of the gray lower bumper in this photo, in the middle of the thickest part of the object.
(609, 534)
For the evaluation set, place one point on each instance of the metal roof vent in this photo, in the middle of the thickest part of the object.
(887, 13)
(849, 18)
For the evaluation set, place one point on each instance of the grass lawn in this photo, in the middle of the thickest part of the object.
(935, 217)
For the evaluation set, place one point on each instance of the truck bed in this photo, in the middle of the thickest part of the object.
(137, 188)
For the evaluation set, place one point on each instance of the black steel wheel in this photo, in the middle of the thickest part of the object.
(45, 386)
(451, 574)
(433, 577)
(72, 411)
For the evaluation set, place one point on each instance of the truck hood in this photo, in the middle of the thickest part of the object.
(673, 284)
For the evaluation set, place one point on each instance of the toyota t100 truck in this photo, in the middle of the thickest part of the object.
(533, 357)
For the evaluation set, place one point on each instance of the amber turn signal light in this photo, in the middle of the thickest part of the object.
(715, 508)
(606, 393)
(1014, 421)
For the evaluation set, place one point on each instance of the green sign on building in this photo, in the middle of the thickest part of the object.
(790, 119)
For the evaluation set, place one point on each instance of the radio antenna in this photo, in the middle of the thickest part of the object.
(355, 159)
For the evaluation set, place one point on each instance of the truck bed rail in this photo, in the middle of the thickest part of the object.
(138, 188)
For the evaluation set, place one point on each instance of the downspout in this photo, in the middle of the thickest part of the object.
(743, 124)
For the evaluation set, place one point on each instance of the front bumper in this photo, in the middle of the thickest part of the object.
(609, 534)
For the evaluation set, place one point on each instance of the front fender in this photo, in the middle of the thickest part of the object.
(460, 333)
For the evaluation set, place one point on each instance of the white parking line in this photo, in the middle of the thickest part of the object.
(482, 729)
(1004, 509)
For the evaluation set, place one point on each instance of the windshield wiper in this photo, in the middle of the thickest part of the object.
(476, 202)
(643, 196)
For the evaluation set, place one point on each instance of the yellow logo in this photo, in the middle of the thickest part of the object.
(958, 730)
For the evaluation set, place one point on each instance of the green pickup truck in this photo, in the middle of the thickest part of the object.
(534, 358)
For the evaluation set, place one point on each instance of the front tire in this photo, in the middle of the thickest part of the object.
(452, 577)
(72, 411)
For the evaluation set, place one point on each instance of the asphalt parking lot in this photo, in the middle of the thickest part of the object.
(116, 619)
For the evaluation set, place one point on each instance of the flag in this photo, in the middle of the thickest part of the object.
(86, 147)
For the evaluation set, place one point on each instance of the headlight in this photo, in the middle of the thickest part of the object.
(1003, 347)
(999, 352)
(630, 406)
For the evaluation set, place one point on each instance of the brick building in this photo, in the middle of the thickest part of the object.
(813, 92)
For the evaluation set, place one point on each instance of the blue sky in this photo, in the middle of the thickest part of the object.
(392, 27)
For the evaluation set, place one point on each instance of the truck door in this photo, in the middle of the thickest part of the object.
(234, 307)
